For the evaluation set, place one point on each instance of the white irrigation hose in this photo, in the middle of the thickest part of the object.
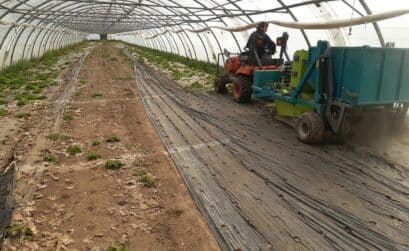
(305, 26)
(33, 26)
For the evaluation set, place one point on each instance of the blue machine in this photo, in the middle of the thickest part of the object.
(336, 81)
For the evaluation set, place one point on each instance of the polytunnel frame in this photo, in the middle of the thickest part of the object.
(55, 33)
(157, 45)
(55, 38)
(24, 16)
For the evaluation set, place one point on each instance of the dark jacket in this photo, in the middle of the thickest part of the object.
(259, 43)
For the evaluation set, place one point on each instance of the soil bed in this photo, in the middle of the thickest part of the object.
(106, 178)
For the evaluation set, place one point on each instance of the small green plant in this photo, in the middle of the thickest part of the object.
(51, 158)
(196, 86)
(26, 97)
(96, 143)
(113, 164)
(140, 172)
(74, 149)
(3, 102)
(141, 162)
(21, 115)
(176, 212)
(20, 231)
(145, 178)
(147, 181)
(67, 117)
(96, 95)
(58, 137)
(113, 138)
(120, 246)
(21, 103)
(3, 112)
(93, 156)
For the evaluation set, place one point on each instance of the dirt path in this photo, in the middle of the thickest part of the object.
(262, 189)
(81, 205)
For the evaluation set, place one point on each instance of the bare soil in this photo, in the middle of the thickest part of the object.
(78, 204)
(262, 189)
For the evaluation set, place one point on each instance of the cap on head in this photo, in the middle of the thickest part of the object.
(262, 25)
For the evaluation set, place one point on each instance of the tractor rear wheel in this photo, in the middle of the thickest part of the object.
(220, 84)
(310, 128)
(242, 89)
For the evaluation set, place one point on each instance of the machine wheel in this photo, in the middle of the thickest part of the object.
(310, 128)
(220, 84)
(242, 90)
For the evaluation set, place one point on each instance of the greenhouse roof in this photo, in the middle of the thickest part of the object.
(169, 25)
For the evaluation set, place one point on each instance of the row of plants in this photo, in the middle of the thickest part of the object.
(181, 68)
(25, 81)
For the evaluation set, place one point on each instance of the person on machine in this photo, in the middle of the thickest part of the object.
(260, 46)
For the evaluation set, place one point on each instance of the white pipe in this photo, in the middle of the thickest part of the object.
(305, 26)
(33, 26)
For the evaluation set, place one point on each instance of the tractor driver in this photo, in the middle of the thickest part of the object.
(260, 46)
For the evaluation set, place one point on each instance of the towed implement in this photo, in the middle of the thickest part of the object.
(323, 90)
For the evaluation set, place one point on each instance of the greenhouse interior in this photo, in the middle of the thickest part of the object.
(204, 125)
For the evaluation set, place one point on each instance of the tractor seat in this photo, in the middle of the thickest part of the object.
(244, 57)
(266, 60)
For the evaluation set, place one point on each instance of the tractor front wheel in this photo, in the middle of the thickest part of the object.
(310, 128)
(242, 89)
(220, 84)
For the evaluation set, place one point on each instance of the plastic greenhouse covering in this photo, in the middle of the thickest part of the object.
(28, 28)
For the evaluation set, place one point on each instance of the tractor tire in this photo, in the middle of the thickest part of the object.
(310, 128)
(220, 84)
(242, 89)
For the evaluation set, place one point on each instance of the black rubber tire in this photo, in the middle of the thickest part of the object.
(310, 128)
(242, 89)
(220, 84)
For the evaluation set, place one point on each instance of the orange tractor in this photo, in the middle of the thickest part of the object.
(239, 72)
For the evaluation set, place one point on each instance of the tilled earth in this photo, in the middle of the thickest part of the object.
(256, 185)
(77, 203)
(260, 188)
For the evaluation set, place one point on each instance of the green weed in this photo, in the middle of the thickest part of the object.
(67, 117)
(147, 181)
(21, 115)
(3, 112)
(163, 59)
(113, 139)
(96, 95)
(25, 80)
(96, 143)
(19, 231)
(140, 172)
(196, 86)
(118, 247)
(113, 164)
(26, 97)
(58, 137)
(74, 149)
(145, 178)
(141, 162)
(51, 158)
(93, 156)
